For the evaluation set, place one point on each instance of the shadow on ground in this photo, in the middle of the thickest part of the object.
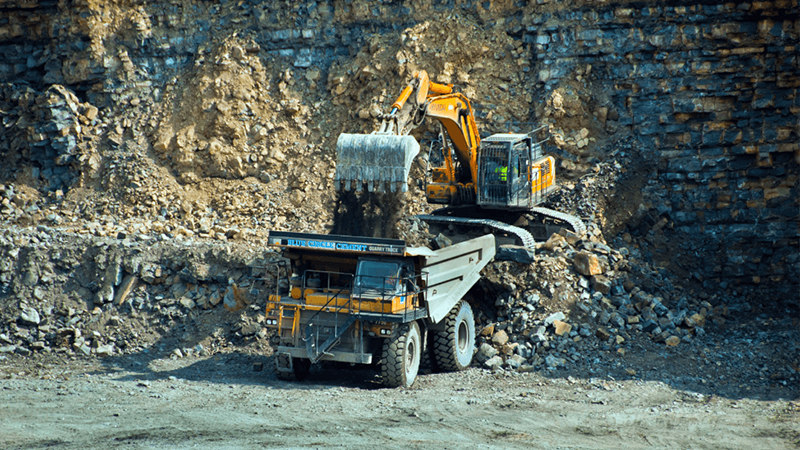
(750, 357)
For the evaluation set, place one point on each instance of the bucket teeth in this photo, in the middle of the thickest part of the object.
(381, 161)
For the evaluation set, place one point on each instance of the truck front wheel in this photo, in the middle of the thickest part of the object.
(401, 356)
(454, 345)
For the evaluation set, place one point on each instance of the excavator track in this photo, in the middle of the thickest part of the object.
(576, 223)
(524, 236)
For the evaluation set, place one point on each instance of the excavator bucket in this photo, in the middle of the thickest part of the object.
(381, 161)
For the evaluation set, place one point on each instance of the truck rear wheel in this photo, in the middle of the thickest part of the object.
(400, 357)
(454, 345)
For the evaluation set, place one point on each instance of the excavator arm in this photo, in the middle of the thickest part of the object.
(455, 115)
(383, 159)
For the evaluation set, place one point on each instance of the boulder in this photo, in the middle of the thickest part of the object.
(500, 337)
(442, 241)
(562, 328)
(29, 316)
(661, 337)
(187, 303)
(555, 241)
(105, 350)
(649, 325)
(601, 284)
(587, 264)
(552, 361)
(553, 317)
(493, 363)
(250, 329)
(485, 352)
(515, 253)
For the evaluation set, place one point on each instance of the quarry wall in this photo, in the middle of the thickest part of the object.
(709, 89)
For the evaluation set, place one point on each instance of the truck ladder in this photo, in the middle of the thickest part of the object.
(314, 348)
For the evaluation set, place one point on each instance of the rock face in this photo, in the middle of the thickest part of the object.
(57, 133)
(236, 90)
(713, 158)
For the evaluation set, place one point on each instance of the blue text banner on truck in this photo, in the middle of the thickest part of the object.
(337, 243)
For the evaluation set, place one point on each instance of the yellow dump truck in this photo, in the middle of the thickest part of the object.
(372, 301)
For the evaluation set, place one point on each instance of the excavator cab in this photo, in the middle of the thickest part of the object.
(510, 172)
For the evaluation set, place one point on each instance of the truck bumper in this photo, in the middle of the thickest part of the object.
(333, 355)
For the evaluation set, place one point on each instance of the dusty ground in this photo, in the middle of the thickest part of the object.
(221, 403)
(233, 400)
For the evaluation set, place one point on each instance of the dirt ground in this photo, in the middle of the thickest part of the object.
(234, 400)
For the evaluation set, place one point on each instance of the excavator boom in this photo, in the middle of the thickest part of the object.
(382, 160)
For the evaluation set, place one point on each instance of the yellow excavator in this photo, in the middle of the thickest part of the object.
(505, 172)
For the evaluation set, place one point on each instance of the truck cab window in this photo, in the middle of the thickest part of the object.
(377, 275)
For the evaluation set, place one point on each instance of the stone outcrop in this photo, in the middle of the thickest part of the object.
(709, 90)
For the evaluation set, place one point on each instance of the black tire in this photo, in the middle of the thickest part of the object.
(427, 363)
(454, 346)
(400, 357)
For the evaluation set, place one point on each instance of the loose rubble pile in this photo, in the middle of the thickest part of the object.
(146, 156)
(585, 300)
(87, 295)
(597, 283)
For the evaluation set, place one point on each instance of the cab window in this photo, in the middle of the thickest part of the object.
(378, 275)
